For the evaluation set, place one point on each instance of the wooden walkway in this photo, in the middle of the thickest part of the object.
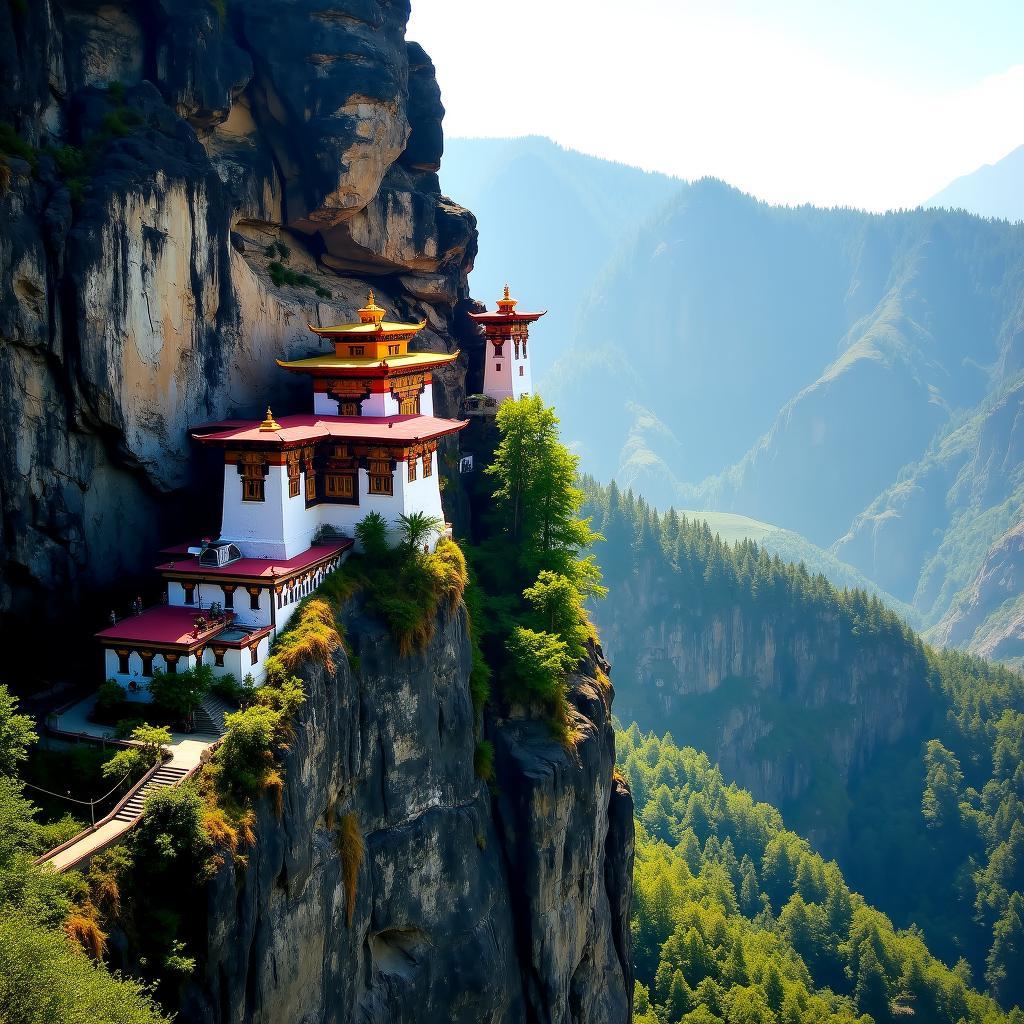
(187, 751)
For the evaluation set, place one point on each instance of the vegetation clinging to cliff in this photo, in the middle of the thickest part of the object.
(50, 939)
(738, 919)
(534, 572)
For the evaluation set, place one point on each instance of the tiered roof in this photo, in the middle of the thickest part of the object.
(293, 431)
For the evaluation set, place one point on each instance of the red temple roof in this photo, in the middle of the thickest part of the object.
(255, 568)
(498, 317)
(165, 624)
(301, 429)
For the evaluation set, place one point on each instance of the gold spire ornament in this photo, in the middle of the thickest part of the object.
(371, 313)
(270, 423)
(507, 304)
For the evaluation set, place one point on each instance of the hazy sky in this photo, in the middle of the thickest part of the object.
(873, 103)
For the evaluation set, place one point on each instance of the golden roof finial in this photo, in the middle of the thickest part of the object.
(507, 304)
(371, 313)
(270, 423)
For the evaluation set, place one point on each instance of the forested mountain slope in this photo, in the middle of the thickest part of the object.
(852, 377)
(904, 762)
(738, 919)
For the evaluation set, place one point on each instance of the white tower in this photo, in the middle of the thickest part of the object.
(506, 350)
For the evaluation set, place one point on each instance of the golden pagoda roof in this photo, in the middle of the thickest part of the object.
(371, 321)
(373, 366)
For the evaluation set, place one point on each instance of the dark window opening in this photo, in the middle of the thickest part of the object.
(122, 662)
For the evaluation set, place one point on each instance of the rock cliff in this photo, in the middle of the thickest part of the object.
(784, 698)
(468, 906)
(161, 149)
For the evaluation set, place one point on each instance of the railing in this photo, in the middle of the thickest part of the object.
(91, 804)
(50, 854)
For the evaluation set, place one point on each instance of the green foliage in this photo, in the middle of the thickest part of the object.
(927, 825)
(404, 586)
(229, 689)
(372, 535)
(45, 978)
(738, 919)
(128, 762)
(12, 144)
(47, 919)
(17, 733)
(418, 529)
(246, 754)
(282, 275)
(530, 620)
(179, 694)
(483, 760)
(109, 696)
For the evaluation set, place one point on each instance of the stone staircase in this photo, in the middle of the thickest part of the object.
(209, 717)
(167, 775)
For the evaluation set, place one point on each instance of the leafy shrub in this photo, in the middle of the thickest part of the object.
(128, 762)
(110, 695)
(229, 689)
(372, 535)
(179, 694)
(246, 754)
(172, 826)
(46, 977)
(126, 726)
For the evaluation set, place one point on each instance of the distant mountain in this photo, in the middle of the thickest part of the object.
(854, 378)
(995, 190)
(549, 220)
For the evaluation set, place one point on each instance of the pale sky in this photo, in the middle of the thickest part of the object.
(870, 103)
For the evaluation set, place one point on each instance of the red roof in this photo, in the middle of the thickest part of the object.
(257, 568)
(301, 429)
(497, 317)
(165, 624)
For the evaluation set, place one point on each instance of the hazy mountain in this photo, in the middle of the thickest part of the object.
(549, 219)
(995, 190)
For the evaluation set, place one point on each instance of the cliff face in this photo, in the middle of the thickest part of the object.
(467, 907)
(172, 144)
(784, 699)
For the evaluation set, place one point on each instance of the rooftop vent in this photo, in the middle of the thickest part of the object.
(216, 555)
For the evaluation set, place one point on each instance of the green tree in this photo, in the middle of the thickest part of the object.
(1006, 957)
(558, 609)
(418, 528)
(871, 994)
(17, 733)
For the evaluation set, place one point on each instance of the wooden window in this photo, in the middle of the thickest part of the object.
(122, 662)
(498, 349)
(411, 464)
(171, 661)
(349, 408)
(339, 485)
(356, 350)
(310, 484)
(393, 350)
(381, 479)
(254, 600)
(147, 662)
(218, 657)
(520, 371)
(293, 474)
(254, 654)
(229, 597)
(409, 406)
(428, 464)
(252, 488)
(190, 592)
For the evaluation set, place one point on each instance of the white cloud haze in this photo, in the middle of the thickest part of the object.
(697, 89)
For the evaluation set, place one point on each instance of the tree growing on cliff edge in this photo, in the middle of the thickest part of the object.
(537, 502)
(17, 733)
